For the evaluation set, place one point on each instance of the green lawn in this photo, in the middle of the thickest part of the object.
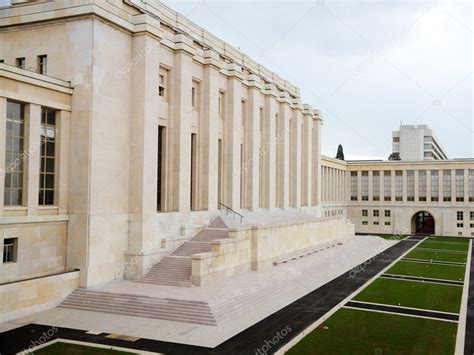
(434, 271)
(445, 246)
(351, 331)
(60, 348)
(437, 256)
(449, 239)
(413, 294)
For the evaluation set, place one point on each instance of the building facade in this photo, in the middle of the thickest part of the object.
(417, 143)
(125, 128)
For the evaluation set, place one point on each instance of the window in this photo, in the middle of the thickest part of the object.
(47, 160)
(365, 213)
(422, 185)
(221, 104)
(398, 185)
(10, 246)
(472, 225)
(42, 64)
(460, 215)
(376, 185)
(2, 61)
(471, 215)
(459, 185)
(376, 213)
(410, 185)
(376, 223)
(434, 185)
(20, 62)
(460, 225)
(396, 139)
(365, 186)
(195, 95)
(163, 83)
(387, 185)
(387, 213)
(353, 185)
(14, 154)
(365, 223)
(387, 223)
(446, 185)
(471, 185)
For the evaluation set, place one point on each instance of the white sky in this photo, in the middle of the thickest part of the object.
(366, 64)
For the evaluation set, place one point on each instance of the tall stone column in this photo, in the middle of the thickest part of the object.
(268, 150)
(3, 125)
(251, 165)
(180, 129)
(306, 165)
(232, 138)
(33, 152)
(316, 160)
(63, 124)
(208, 133)
(295, 161)
(283, 154)
(144, 143)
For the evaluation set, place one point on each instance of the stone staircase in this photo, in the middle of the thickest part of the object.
(196, 312)
(175, 269)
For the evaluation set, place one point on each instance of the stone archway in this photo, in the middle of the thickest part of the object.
(423, 223)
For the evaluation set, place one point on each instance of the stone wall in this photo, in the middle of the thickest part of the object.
(259, 247)
(30, 296)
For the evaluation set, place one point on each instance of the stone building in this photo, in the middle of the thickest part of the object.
(127, 130)
(417, 142)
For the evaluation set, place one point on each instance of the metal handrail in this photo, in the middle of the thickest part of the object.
(235, 213)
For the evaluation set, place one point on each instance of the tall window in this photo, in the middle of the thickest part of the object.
(387, 185)
(160, 169)
(398, 185)
(410, 185)
(422, 185)
(471, 185)
(459, 185)
(446, 185)
(43, 64)
(460, 218)
(353, 185)
(14, 154)
(221, 104)
(365, 186)
(195, 95)
(10, 246)
(47, 162)
(434, 185)
(376, 185)
(163, 83)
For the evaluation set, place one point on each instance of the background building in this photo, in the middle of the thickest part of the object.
(417, 143)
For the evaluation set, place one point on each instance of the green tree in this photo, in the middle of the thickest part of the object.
(340, 152)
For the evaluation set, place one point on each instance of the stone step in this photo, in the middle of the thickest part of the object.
(165, 282)
(144, 315)
(208, 235)
(205, 313)
(197, 312)
(133, 299)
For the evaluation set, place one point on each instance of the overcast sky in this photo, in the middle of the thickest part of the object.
(368, 65)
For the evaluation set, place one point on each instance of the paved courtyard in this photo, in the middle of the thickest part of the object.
(237, 303)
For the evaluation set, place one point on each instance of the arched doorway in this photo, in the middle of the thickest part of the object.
(423, 223)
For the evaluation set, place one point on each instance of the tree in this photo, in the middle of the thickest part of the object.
(340, 152)
(394, 156)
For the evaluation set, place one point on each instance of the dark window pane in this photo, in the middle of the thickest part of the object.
(50, 165)
(41, 197)
(8, 180)
(6, 197)
(49, 181)
(49, 197)
(50, 149)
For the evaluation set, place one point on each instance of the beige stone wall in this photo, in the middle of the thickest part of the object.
(25, 297)
(41, 250)
(258, 248)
